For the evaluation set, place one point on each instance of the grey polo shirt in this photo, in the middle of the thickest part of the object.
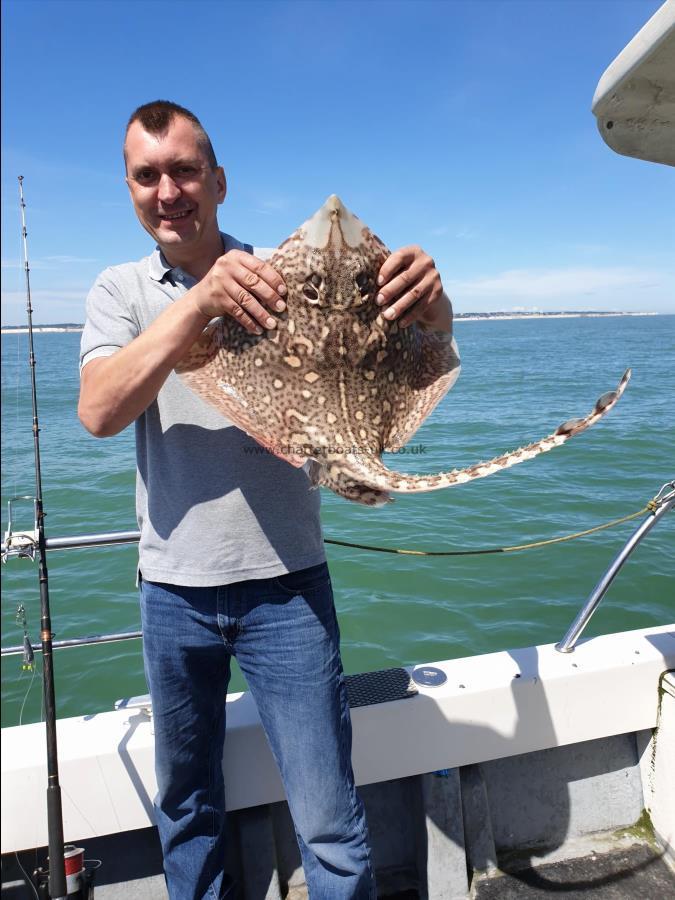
(213, 507)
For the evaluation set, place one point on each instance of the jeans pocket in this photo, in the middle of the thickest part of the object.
(304, 580)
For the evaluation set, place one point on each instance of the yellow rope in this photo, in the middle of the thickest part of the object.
(650, 507)
(570, 537)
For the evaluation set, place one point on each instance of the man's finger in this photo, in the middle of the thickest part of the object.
(245, 301)
(408, 302)
(239, 315)
(420, 310)
(254, 283)
(403, 282)
(415, 297)
(265, 272)
(395, 262)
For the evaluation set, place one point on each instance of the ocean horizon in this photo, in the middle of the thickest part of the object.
(58, 327)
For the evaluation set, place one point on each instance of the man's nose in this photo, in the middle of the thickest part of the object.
(168, 190)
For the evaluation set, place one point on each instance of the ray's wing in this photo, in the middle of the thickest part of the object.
(437, 367)
(208, 369)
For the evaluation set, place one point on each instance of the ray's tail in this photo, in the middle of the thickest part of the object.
(374, 480)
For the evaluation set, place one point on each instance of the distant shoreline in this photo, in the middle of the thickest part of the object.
(459, 317)
(42, 329)
(488, 317)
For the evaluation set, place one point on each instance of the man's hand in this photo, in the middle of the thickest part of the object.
(410, 290)
(243, 287)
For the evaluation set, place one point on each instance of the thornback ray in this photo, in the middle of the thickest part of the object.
(335, 383)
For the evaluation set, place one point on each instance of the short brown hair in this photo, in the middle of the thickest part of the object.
(155, 117)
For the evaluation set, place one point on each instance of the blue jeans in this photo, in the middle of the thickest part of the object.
(284, 634)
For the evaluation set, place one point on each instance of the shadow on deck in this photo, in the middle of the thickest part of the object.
(637, 871)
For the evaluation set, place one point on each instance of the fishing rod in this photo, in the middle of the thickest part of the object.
(57, 872)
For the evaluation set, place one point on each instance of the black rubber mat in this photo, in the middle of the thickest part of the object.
(382, 686)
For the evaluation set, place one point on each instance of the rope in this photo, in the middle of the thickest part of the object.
(650, 507)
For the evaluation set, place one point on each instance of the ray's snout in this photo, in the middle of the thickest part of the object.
(339, 216)
(334, 205)
(333, 225)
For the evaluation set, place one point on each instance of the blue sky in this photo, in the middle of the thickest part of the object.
(462, 126)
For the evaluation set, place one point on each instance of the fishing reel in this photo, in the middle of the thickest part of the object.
(79, 875)
(21, 544)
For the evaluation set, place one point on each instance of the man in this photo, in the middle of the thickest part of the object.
(223, 568)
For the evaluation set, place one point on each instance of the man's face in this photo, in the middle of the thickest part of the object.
(174, 190)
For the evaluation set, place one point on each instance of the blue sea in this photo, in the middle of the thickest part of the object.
(520, 379)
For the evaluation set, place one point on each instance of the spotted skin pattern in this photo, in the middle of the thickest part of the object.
(335, 383)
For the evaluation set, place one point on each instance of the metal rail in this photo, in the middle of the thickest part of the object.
(73, 542)
(77, 642)
(78, 541)
(663, 502)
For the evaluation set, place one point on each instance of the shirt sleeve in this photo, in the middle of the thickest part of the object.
(109, 324)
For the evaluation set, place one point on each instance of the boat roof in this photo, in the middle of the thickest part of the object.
(634, 102)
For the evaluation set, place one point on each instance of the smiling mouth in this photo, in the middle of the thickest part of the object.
(174, 217)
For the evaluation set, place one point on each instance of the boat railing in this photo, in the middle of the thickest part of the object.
(14, 540)
(662, 503)
(23, 543)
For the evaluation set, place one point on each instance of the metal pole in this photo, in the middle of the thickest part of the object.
(77, 642)
(82, 541)
(566, 645)
(105, 539)
(57, 872)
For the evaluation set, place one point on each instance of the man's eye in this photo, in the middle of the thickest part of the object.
(145, 176)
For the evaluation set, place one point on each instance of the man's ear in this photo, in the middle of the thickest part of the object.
(221, 181)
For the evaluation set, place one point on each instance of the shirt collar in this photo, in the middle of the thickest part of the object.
(158, 267)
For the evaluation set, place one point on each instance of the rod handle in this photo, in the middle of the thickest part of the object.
(57, 866)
